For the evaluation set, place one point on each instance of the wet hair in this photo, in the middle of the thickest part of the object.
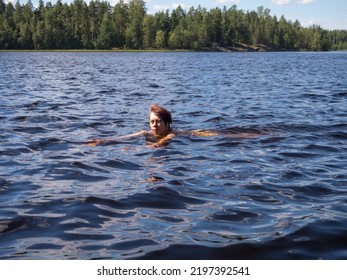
(162, 113)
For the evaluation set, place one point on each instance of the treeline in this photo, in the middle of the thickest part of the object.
(98, 25)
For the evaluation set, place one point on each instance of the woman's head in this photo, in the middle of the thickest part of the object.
(160, 120)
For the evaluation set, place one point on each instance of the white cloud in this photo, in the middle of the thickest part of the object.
(327, 24)
(227, 1)
(183, 6)
(112, 2)
(311, 22)
(171, 6)
(161, 7)
(280, 2)
(304, 2)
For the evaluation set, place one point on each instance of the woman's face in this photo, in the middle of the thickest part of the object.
(157, 125)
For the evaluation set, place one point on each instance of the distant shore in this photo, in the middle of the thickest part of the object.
(97, 50)
(237, 47)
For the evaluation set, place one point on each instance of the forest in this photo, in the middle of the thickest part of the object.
(127, 25)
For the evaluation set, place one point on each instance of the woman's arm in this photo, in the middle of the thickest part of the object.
(101, 141)
(155, 142)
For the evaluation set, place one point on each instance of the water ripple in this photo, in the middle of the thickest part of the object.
(280, 195)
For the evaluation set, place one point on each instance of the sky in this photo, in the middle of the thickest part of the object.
(329, 14)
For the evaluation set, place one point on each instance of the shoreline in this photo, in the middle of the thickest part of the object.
(157, 51)
(239, 48)
(96, 50)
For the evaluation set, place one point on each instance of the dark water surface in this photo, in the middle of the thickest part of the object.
(282, 195)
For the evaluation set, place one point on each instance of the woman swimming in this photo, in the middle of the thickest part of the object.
(160, 121)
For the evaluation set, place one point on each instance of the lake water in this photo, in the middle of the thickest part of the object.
(282, 195)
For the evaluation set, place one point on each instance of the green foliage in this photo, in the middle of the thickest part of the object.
(97, 25)
(134, 32)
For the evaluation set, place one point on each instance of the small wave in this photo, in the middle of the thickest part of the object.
(290, 174)
(162, 197)
(12, 225)
(76, 236)
(3, 184)
(32, 104)
(305, 243)
(227, 143)
(235, 215)
(31, 129)
(48, 144)
(92, 99)
(317, 189)
(120, 164)
(298, 154)
(340, 94)
(15, 151)
(133, 244)
(45, 246)
(86, 167)
(159, 197)
(274, 139)
(69, 173)
(322, 148)
(217, 119)
(264, 198)
(154, 86)
(19, 118)
(105, 92)
(338, 135)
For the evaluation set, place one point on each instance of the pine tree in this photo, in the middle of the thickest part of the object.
(134, 32)
(120, 23)
(2, 7)
(98, 25)
(104, 39)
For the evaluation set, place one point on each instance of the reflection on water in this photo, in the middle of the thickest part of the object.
(281, 195)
